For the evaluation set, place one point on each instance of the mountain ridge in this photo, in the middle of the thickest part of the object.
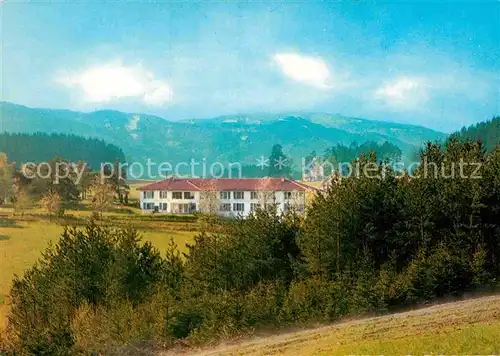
(226, 138)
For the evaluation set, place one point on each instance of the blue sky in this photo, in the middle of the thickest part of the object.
(434, 64)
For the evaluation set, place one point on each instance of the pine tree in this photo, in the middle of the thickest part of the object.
(280, 165)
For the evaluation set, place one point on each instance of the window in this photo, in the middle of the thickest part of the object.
(163, 206)
(188, 195)
(148, 194)
(225, 195)
(238, 207)
(254, 206)
(225, 207)
(176, 195)
(288, 195)
(296, 207)
(267, 195)
(163, 194)
(254, 195)
(238, 195)
(183, 208)
(148, 206)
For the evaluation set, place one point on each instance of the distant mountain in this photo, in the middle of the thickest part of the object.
(488, 132)
(231, 138)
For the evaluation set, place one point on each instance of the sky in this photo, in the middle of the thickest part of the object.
(435, 64)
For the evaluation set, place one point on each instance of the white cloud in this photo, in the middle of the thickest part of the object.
(403, 92)
(305, 69)
(114, 81)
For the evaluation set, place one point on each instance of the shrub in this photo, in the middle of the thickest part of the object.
(443, 272)
(186, 320)
(104, 330)
(315, 299)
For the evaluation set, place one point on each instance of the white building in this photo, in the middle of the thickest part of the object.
(224, 196)
(314, 172)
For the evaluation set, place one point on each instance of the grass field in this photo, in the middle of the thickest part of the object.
(27, 239)
(22, 241)
(465, 327)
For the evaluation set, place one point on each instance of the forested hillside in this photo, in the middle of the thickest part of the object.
(42, 147)
(331, 157)
(488, 132)
(370, 242)
(384, 151)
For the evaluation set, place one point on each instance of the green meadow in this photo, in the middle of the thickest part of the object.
(24, 238)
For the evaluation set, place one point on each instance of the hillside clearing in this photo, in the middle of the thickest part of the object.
(464, 327)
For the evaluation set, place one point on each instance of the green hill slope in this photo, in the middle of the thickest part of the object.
(488, 132)
(465, 327)
(232, 138)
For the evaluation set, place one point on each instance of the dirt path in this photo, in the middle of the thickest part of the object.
(430, 320)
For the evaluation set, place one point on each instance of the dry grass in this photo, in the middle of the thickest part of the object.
(466, 327)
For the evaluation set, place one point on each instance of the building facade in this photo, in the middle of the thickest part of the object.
(224, 196)
(314, 172)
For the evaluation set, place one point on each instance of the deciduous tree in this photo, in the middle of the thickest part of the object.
(22, 201)
(51, 202)
(6, 171)
(102, 195)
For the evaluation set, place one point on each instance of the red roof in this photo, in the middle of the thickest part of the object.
(225, 184)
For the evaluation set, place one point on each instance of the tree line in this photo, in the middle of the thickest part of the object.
(57, 185)
(364, 244)
(57, 171)
(279, 164)
(488, 132)
(41, 147)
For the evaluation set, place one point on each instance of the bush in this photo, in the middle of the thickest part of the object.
(104, 330)
(262, 305)
(186, 320)
(315, 299)
(439, 274)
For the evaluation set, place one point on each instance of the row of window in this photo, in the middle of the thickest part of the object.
(237, 195)
(164, 195)
(183, 208)
(238, 207)
(151, 206)
(186, 208)
(190, 207)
